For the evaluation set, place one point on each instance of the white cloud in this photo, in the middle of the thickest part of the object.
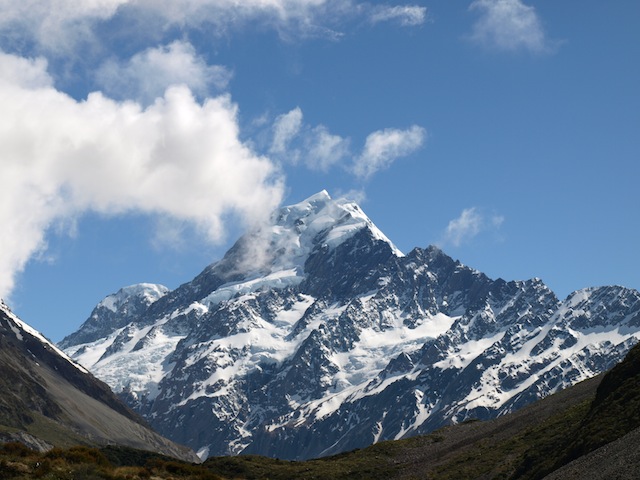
(408, 16)
(318, 149)
(285, 128)
(176, 158)
(323, 149)
(60, 25)
(53, 25)
(384, 147)
(294, 141)
(508, 25)
(468, 225)
(147, 74)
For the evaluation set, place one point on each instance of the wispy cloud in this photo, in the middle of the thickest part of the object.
(54, 26)
(176, 158)
(285, 128)
(324, 149)
(468, 225)
(294, 142)
(509, 25)
(146, 75)
(409, 15)
(318, 149)
(384, 147)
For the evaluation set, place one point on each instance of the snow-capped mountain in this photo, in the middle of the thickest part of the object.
(315, 334)
(47, 400)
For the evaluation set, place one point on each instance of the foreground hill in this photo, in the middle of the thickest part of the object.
(315, 335)
(47, 400)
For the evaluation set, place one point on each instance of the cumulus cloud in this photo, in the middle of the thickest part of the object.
(508, 25)
(176, 158)
(468, 225)
(404, 15)
(147, 74)
(384, 147)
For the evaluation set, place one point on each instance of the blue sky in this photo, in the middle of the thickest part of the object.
(140, 138)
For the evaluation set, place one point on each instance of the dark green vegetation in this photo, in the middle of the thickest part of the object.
(84, 463)
(531, 443)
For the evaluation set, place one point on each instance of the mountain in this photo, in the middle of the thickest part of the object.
(315, 335)
(48, 400)
(587, 431)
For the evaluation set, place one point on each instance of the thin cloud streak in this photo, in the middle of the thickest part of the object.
(31, 22)
(404, 15)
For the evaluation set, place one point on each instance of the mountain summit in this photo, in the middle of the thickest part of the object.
(314, 334)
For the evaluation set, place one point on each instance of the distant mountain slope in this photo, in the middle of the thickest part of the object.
(48, 400)
(315, 335)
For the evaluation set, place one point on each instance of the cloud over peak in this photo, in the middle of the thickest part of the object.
(176, 158)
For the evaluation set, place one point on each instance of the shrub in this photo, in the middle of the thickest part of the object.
(16, 449)
(78, 455)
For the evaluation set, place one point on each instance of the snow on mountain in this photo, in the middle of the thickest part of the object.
(147, 292)
(18, 327)
(116, 311)
(314, 334)
(49, 400)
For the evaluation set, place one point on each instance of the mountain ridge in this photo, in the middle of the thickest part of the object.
(48, 400)
(314, 334)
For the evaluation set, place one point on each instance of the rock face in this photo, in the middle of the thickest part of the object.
(48, 400)
(315, 335)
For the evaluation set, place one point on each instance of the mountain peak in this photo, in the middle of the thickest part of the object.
(321, 219)
(148, 291)
(295, 231)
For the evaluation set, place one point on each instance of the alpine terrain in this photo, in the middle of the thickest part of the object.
(315, 335)
(48, 400)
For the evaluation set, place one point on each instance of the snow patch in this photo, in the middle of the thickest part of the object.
(22, 326)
